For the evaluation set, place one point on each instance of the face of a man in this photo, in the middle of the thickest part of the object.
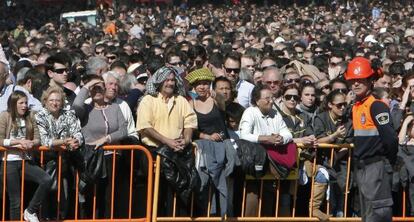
(59, 74)
(383, 82)
(111, 85)
(232, 70)
(248, 63)
(168, 86)
(360, 87)
(272, 79)
(223, 88)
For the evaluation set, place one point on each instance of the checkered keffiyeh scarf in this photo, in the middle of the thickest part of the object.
(155, 81)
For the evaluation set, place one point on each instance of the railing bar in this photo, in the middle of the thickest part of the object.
(156, 189)
(174, 203)
(277, 198)
(4, 184)
(59, 183)
(348, 174)
(22, 190)
(113, 183)
(295, 195)
(260, 198)
(76, 195)
(331, 164)
(314, 171)
(244, 198)
(131, 178)
(94, 202)
(209, 201)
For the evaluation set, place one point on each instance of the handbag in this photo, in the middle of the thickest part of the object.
(51, 169)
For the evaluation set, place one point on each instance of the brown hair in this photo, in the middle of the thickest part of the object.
(12, 110)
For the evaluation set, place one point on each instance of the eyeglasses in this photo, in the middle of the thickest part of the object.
(269, 99)
(99, 52)
(272, 82)
(60, 71)
(291, 97)
(340, 105)
(291, 81)
(111, 57)
(230, 70)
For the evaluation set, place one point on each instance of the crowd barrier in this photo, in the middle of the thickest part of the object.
(153, 184)
(129, 149)
(402, 216)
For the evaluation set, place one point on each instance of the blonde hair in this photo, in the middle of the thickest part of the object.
(49, 91)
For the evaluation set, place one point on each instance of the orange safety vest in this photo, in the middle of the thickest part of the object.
(362, 119)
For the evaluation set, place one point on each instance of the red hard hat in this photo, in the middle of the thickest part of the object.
(359, 68)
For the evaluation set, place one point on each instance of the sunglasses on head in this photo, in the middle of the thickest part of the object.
(230, 70)
(291, 97)
(60, 71)
(340, 105)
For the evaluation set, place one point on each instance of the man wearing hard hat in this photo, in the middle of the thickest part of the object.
(375, 141)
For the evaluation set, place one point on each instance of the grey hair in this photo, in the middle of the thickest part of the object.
(94, 64)
(110, 74)
(126, 83)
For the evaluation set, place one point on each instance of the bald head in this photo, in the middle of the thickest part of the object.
(273, 79)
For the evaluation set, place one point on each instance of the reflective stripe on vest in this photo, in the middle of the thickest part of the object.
(367, 132)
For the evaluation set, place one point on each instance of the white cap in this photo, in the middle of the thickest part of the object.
(349, 33)
(279, 40)
(132, 67)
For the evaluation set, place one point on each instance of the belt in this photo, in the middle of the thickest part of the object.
(363, 163)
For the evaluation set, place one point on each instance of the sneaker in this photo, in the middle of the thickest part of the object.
(30, 217)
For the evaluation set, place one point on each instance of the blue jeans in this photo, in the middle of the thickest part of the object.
(13, 185)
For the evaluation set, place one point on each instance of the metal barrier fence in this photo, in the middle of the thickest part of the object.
(275, 217)
(116, 148)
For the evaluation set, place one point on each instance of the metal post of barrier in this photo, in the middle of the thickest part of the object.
(277, 198)
(59, 179)
(113, 183)
(4, 184)
(348, 174)
(156, 188)
(76, 195)
(131, 180)
(22, 190)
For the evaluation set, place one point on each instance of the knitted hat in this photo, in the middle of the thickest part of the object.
(200, 74)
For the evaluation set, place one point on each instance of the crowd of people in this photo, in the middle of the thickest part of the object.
(243, 84)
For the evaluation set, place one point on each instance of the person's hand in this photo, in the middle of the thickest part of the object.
(350, 97)
(26, 144)
(275, 139)
(405, 97)
(73, 143)
(92, 83)
(216, 137)
(340, 132)
(175, 144)
(100, 142)
(309, 140)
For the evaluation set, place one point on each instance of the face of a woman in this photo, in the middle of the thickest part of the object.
(202, 88)
(338, 105)
(291, 98)
(21, 106)
(265, 101)
(98, 91)
(54, 103)
(308, 96)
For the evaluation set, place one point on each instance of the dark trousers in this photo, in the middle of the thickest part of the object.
(374, 183)
(32, 173)
(104, 189)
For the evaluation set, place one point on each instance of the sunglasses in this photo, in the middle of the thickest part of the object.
(60, 71)
(318, 52)
(291, 81)
(99, 52)
(340, 105)
(291, 97)
(272, 82)
(111, 57)
(229, 70)
(344, 91)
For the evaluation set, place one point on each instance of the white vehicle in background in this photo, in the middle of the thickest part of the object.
(82, 16)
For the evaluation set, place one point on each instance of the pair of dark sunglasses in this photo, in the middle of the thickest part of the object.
(61, 71)
(340, 105)
(229, 70)
(291, 97)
